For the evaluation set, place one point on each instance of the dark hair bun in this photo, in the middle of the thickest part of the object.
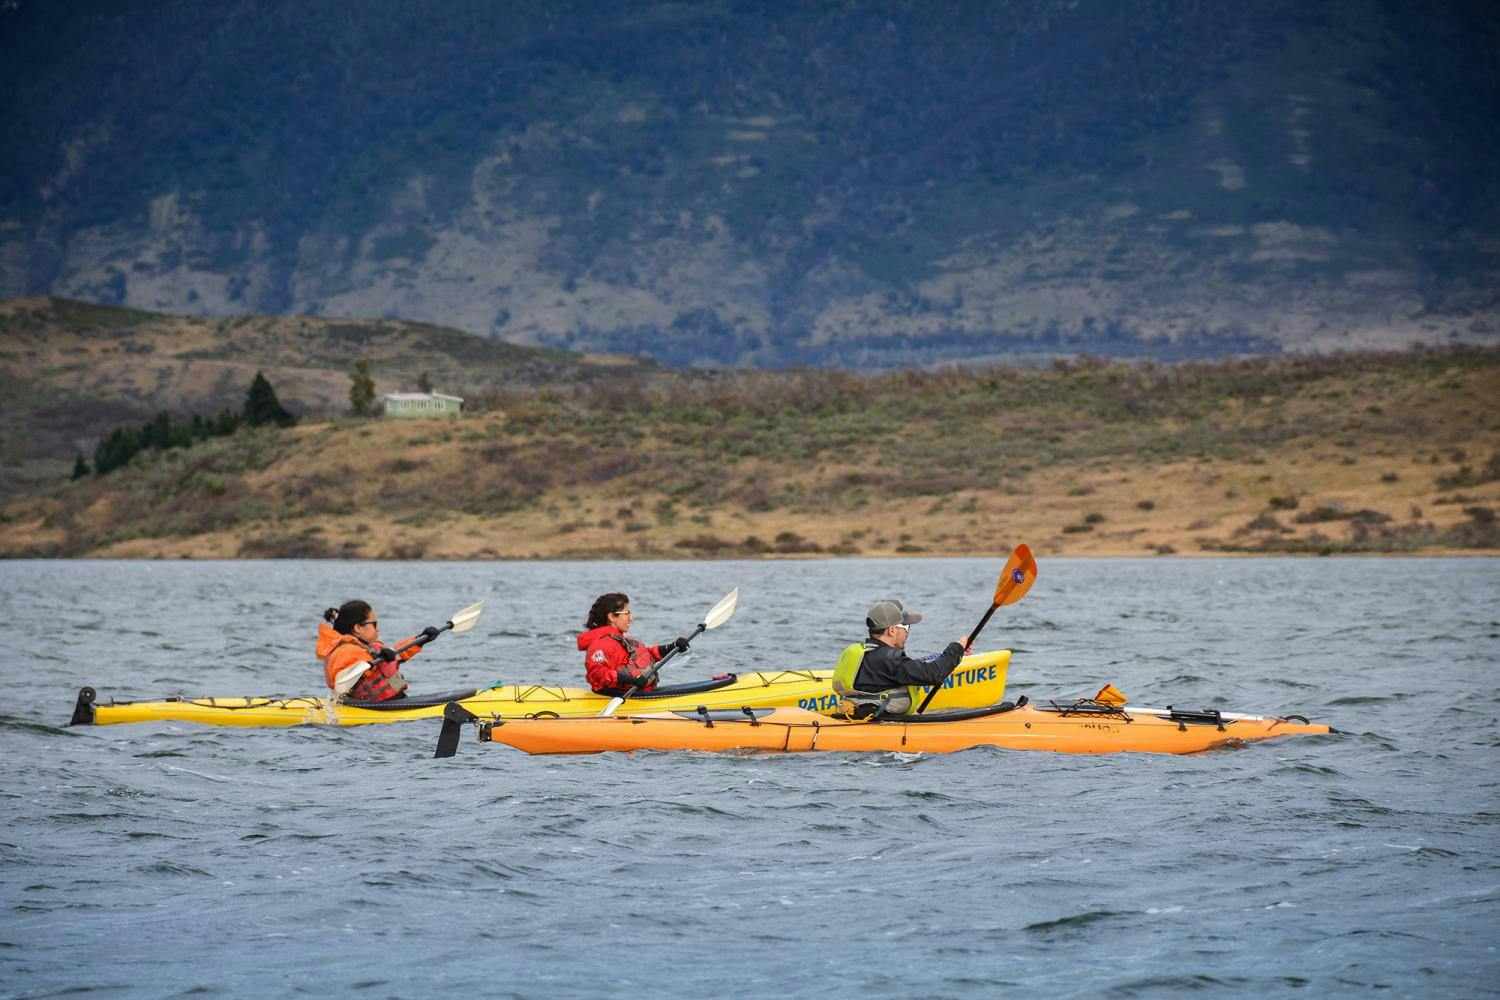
(330, 614)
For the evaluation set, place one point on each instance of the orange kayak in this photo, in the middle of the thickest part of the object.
(1062, 727)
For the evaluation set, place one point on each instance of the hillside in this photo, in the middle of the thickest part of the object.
(70, 372)
(1387, 452)
(868, 184)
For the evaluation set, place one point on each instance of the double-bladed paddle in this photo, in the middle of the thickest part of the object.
(461, 622)
(716, 616)
(1017, 577)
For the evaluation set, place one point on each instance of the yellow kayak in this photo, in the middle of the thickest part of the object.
(977, 681)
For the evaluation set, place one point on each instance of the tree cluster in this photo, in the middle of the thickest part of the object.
(162, 432)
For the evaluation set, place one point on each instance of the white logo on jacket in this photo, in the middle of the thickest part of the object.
(598, 656)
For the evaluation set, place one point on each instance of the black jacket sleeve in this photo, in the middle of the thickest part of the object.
(885, 668)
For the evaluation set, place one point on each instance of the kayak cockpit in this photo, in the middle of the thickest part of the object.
(410, 701)
(672, 690)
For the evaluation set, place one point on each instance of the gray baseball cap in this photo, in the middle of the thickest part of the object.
(884, 614)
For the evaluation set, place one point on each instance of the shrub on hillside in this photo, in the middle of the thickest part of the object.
(1466, 476)
(790, 541)
(704, 543)
(1265, 522)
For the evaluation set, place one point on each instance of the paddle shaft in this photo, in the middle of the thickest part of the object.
(972, 636)
(419, 640)
(647, 677)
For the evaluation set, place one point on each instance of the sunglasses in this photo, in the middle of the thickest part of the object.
(374, 622)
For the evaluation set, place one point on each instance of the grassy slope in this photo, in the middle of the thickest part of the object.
(1088, 459)
(70, 371)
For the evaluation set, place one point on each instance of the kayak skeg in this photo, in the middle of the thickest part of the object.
(978, 680)
(1084, 727)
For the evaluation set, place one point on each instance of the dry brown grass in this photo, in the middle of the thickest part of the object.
(1085, 459)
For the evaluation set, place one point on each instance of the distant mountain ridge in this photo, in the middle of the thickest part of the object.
(866, 184)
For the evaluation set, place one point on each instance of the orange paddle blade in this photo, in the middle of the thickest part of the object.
(1017, 577)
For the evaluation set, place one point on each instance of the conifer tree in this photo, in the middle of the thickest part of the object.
(116, 450)
(262, 406)
(80, 467)
(362, 390)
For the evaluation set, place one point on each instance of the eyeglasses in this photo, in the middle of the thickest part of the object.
(902, 626)
(625, 613)
(375, 622)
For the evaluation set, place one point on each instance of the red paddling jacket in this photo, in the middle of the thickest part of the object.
(613, 660)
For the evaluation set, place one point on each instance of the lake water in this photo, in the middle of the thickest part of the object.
(171, 859)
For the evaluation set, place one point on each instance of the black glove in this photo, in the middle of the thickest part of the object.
(428, 634)
(680, 644)
(625, 680)
(384, 654)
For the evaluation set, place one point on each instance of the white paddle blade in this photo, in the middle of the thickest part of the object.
(465, 619)
(345, 679)
(721, 611)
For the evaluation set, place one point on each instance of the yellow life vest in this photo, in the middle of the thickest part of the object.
(847, 669)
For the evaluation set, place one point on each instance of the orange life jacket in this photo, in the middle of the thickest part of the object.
(380, 682)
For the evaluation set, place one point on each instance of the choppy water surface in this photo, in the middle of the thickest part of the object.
(167, 859)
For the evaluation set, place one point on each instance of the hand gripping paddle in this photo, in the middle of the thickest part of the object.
(1017, 577)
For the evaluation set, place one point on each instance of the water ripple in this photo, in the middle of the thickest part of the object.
(135, 858)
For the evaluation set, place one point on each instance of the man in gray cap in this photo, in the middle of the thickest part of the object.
(879, 672)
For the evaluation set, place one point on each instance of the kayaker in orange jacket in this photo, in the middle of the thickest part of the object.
(352, 636)
(612, 660)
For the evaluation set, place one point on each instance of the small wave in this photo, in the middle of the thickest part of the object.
(122, 792)
(1076, 920)
(12, 724)
(1423, 849)
(78, 817)
(1363, 805)
(171, 868)
(1304, 768)
(1157, 986)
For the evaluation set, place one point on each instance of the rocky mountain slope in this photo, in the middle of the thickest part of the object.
(746, 181)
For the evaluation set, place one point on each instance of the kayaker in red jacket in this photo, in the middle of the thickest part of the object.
(351, 637)
(613, 660)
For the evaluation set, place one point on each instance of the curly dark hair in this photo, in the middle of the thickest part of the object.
(603, 607)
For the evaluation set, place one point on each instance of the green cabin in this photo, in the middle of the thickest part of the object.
(422, 404)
